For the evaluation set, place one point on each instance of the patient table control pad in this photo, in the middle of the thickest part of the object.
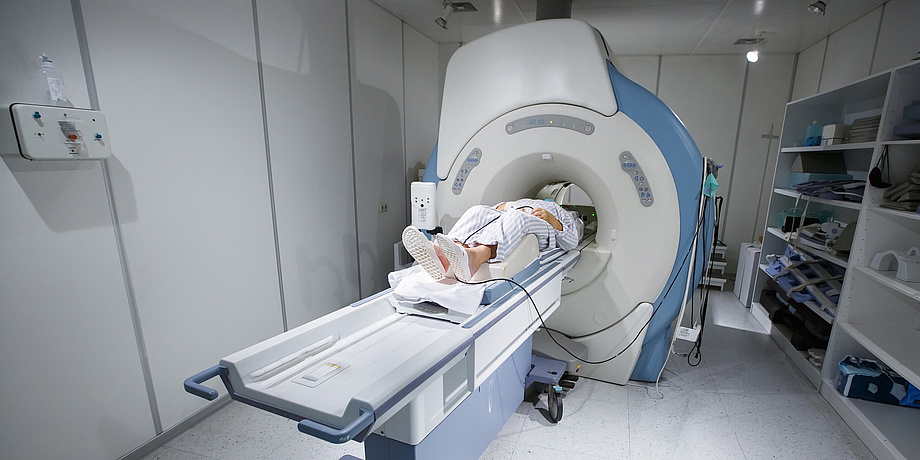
(472, 161)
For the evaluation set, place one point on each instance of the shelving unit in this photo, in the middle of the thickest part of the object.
(878, 315)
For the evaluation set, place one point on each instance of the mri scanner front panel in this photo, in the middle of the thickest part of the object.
(641, 235)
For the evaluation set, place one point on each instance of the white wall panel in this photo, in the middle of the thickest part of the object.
(377, 114)
(642, 70)
(897, 46)
(849, 52)
(190, 178)
(305, 69)
(422, 100)
(71, 384)
(809, 64)
(705, 92)
(30, 29)
(767, 89)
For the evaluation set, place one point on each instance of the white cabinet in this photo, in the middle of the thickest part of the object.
(877, 315)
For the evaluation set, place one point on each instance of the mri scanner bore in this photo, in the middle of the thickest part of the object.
(522, 115)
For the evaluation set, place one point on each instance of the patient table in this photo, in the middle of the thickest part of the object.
(367, 373)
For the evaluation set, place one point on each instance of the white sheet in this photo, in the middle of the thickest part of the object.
(415, 286)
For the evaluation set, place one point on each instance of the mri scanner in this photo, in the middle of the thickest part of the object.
(526, 109)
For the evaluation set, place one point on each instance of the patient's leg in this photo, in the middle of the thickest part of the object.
(464, 261)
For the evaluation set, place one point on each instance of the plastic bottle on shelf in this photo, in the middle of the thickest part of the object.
(813, 134)
(52, 83)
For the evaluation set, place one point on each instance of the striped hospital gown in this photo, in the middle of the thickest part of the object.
(511, 226)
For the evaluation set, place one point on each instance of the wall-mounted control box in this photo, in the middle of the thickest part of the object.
(47, 132)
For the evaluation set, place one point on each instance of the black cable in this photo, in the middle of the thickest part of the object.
(695, 351)
(717, 219)
(543, 323)
(487, 224)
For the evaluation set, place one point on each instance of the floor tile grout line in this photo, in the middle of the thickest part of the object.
(280, 445)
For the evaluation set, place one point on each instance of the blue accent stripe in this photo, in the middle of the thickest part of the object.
(502, 287)
(431, 168)
(686, 164)
(521, 300)
(551, 254)
(554, 267)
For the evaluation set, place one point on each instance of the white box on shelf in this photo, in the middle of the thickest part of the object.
(834, 134)
(748, 257)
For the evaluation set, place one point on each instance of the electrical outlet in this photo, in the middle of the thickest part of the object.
(384, 207)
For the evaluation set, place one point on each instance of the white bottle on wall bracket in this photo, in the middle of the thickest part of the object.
(52, 84)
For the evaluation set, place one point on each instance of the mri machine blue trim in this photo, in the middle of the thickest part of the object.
(431, 169)
(682, 156)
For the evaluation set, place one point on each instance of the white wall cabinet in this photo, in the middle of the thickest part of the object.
(877, 315)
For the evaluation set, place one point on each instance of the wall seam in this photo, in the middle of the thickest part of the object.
(77, 10)
(723, 215)
(407, 215)
(878, 34)
(268, 163)
(823, 61)
(351, 116)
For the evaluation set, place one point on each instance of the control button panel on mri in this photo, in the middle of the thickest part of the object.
(472, 161)
(630, 166)
(550, 121)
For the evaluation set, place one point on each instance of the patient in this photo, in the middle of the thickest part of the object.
(488, 234)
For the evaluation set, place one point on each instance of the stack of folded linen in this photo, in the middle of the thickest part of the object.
(849, 190)
(904, 196)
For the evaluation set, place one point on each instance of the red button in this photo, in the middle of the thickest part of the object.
(73, 136)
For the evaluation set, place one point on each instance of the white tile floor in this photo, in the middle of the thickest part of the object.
(744, 401)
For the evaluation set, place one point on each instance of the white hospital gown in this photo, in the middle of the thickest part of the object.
(511, 226)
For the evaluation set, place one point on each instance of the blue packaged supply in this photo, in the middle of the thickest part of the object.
(866, 379)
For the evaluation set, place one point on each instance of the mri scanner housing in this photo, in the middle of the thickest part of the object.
(517, 117)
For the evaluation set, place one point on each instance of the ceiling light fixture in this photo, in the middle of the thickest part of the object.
(454, 7)
(753, 55)
(817, 8)
(442, 20)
